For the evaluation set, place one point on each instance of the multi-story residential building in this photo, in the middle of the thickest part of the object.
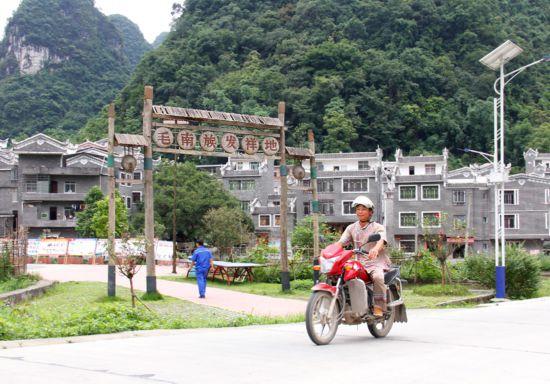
(8, 190)
(54, 178)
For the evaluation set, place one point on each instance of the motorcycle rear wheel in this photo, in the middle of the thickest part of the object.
(382, 328)
(321, 326)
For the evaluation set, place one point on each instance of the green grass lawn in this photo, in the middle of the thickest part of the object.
(301, 289)
(81, 308)
(19, 282)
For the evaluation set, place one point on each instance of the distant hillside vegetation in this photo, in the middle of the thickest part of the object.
(361, 73)
(135, 45)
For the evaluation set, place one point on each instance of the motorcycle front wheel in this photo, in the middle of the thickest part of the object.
(321, 326)
(383, 327)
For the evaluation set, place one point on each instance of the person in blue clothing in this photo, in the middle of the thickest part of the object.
(202, 260)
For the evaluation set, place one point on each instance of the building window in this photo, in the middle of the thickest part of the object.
(326, 207)
(254, 165)
(307, 208)
(265, 221)
(484, 196)
(14, 197)
(245, 205)
(407, 246)
(431, 219)
(30, 186)
(70, 213)
(347, 209)
(325, 185)
(136, 197)
(137, 175)
(485, 247)
(128, 202)
(430, 169)
(242, 185)
(407, 219)
(407, 192)
(319, 166)
(459, 222)
(430, 192)
(411, 169)
(238, 166)
(336, 168)
(70, 187)
(546, 221)
(511, 221)
(363, 165)
(511, 197)
(459, 197)
(14, 174)
(276, 220)
(484, 220)
(355, 185)
(547, 196)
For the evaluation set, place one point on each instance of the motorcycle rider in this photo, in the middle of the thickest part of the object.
(377, 260)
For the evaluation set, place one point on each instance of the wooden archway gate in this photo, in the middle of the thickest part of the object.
(196, 132)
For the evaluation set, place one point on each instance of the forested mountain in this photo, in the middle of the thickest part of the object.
(159, 39)
(361, 73)
(135, 45)
(61, 61)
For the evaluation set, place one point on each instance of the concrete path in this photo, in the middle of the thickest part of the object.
(215, 297)
(508, 343)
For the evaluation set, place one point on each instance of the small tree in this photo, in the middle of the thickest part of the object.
(302, 235)
(84, 225)
(130, 260)
(100, 218)
(226, 228)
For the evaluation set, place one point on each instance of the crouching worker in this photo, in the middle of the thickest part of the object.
(377, 260)
(202, 261)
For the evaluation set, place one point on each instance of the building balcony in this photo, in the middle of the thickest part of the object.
(62, 171)
(418, 178)
(41, 223)
(242, 173)
(36, 196)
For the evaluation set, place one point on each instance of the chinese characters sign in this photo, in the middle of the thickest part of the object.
(209, 141)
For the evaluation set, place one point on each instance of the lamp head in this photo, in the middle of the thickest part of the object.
(501, 55)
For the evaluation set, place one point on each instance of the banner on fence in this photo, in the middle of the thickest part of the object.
(82, 247)
(53, 247)
(163, 250)
(32, 247)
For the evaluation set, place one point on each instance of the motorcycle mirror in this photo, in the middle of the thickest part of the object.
(374, 237)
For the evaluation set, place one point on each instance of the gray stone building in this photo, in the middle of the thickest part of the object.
(54, 178)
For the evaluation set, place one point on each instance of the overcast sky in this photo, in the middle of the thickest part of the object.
(152, 16)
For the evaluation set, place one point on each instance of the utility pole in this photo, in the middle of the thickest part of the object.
(285, 275)
(111, 275)
(315, 205)
(148, 180)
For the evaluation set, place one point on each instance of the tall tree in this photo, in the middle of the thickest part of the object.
(226, 228)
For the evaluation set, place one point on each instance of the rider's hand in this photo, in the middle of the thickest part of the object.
(373, 254)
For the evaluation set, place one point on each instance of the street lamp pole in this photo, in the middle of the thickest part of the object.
(496, 60)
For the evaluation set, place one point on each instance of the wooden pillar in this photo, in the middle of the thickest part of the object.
(111, 275)
(285, 276)
(148, 186)
(315, 204)
(174, 232)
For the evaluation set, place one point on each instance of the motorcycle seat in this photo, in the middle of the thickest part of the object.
(390, 275)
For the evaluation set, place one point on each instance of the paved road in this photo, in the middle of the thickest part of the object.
(215, 297)
(508, 343)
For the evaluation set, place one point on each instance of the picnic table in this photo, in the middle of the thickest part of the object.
(229, 271)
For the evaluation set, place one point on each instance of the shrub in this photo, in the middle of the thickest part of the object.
(441, 290)
(422, 268)
(522, 272)
(6, 267)
(301, 285)
(260, 254)
(545, 263)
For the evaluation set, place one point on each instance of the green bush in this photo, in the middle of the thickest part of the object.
(6, 268)
(260, 254)
(423, 268)
(441, 290)
(545, 263)
(522, 272)
(301, 285)
(457, 271)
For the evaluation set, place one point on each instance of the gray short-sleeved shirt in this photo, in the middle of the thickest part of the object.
(357, 235)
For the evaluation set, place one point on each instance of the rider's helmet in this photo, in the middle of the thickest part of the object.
(362, 200)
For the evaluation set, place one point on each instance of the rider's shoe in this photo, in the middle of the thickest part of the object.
(378, 311)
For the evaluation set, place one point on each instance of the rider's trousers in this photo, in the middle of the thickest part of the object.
(377, 276)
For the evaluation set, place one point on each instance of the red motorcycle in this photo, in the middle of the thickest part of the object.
(347, 296)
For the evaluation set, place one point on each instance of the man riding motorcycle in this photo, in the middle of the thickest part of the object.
(377, 260)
